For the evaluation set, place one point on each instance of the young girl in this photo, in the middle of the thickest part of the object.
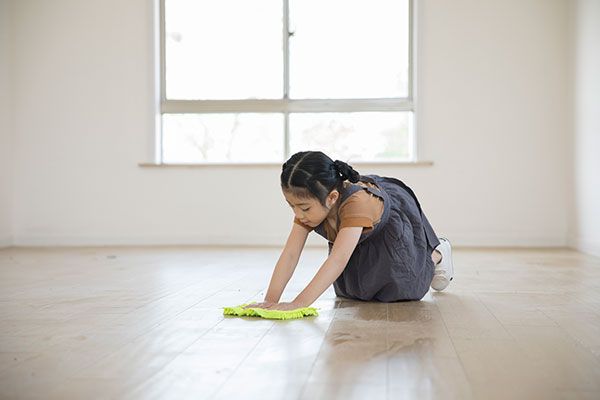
(381, 245)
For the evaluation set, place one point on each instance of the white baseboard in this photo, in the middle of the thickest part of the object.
(504, 239)
(5, 241)
(155, 240)
(465, 239)
(591, 247)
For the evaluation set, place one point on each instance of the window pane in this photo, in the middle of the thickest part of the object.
(226, 49)
(189, 138)
(361, 136)
(349, 48)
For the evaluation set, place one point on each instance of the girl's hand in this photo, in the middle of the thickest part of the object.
(265, 304)
(286, 306)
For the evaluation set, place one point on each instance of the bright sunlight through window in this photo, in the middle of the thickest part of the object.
(254, 81)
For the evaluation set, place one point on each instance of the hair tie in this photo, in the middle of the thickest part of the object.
(341, 169)
(338, 165)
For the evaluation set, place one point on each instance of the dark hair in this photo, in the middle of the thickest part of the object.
(314, 174)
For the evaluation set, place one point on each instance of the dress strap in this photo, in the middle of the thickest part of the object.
(375, 190)
(350, 190)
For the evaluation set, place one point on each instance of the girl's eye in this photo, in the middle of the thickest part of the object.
(306, 209)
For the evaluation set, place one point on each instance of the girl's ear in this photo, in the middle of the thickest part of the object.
(333, 196)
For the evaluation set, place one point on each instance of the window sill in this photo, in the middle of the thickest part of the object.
(277, 164)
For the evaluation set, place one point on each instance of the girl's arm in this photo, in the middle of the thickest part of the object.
(343, 246)
(287, 262)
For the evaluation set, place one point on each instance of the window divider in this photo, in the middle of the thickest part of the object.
(286, 77)
(285, 105)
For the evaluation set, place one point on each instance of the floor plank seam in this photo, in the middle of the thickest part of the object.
(458, 357)
(312, 366)
(272, 324)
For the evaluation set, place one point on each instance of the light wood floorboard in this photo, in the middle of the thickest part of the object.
(147, 323)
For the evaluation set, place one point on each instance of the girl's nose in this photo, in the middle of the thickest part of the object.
(300, 216)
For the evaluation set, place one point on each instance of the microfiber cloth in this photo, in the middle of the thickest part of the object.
(269, 314)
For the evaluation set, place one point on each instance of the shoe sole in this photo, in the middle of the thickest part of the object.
(450, 255)
(439, 283)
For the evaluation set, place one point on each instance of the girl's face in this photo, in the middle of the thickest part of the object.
(309, 210)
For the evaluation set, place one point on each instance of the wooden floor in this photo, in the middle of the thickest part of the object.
(147, 323)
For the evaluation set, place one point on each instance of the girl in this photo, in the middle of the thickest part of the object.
(381, 245)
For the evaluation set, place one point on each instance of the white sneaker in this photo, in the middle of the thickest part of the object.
(444, 271)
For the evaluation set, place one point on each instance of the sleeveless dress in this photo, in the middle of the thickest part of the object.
(392, 261)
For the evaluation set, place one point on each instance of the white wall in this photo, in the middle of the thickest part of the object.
(585, 227)
(6, 129)
(492, 82)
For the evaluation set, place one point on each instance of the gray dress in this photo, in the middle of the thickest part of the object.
(392, 261)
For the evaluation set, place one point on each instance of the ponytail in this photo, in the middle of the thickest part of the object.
(346, 171)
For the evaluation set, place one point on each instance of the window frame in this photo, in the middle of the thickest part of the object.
(284, 105)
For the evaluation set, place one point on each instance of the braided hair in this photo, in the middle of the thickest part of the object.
(313, 174)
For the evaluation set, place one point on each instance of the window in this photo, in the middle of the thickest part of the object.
(254, 81)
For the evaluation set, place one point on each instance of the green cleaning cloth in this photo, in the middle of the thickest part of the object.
(269, 314)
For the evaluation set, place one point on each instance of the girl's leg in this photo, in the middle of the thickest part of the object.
(436, 256)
